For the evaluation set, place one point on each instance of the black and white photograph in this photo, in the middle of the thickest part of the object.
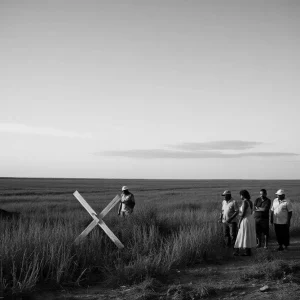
(149, 149)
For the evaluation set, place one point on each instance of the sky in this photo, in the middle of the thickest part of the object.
(150, 89)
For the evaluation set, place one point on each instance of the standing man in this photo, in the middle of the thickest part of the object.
(262, 207)
(281, 214)
(127, 202)
(228, 218)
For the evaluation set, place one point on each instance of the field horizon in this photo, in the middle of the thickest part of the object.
(161, 179)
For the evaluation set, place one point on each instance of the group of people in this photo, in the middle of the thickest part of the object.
(246, 227)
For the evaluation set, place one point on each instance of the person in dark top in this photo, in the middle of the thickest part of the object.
(262, 207)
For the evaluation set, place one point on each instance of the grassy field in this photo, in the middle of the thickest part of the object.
(174, 225)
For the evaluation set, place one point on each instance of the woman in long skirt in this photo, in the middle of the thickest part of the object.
(246, 237)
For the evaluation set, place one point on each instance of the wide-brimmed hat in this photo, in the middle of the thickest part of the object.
(280, 192)
(226, 192)
(124, 188)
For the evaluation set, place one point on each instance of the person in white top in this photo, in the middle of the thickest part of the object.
(127, 202)
(281, 214)
(246, 237)
(228, 218)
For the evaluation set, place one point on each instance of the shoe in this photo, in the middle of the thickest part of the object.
(286, 248)
(236, 254)
(280, 248)
(266, 247)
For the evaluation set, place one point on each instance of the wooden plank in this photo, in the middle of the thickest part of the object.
(107, 209)
(84, 204)
(110, 234)
(85, 232)
(97, 221)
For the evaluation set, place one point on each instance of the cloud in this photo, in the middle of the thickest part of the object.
(161, 153)
(25, 129)
(217, 145)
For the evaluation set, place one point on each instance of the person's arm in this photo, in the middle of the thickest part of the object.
(266, 208)
(132, 198)
(220, 217)
(236, 212)
(289, 218)
(260, 208)
(128, 199)
(272, 214)
(119, 209)
(244, 207)
(255, 205)
(232, 217)
(272, 217)
(290, 212)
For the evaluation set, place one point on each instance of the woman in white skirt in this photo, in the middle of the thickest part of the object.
(246, 237)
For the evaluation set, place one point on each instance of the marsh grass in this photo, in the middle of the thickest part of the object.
(39, 247)
(166, 231)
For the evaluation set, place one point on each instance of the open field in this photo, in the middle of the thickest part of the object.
(174, 225)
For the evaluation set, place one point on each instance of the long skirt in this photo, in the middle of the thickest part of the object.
(246, 237)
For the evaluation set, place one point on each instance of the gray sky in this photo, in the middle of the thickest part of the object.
(150, 89)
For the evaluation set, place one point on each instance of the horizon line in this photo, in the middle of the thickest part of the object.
(162, 179)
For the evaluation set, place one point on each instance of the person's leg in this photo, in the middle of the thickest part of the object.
(258, 232)
(285, 235)
(233, 233)
(248, 252)
(266, 232)
(266, 236)
(278, 232)
(226, 234)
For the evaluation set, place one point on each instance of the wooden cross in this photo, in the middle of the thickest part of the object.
(98, 220)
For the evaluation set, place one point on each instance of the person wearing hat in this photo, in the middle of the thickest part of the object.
(281, 214)
(228, 218)
(127, 202)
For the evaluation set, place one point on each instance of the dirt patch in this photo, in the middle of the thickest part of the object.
(222, 276)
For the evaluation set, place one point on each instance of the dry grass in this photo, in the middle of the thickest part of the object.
(39, 248)
(271, 270)
(165, 232)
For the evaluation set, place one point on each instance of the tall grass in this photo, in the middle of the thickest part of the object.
(39, 247)
(166, 231)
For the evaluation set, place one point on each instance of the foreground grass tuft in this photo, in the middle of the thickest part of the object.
(185, 292)
(272, 270)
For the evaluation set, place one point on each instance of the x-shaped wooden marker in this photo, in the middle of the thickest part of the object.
(98, 220)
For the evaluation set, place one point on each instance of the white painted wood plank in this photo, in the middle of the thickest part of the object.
(107, 209)
(84, 204)
(110, 234)
(97, 221)
(85, 232)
